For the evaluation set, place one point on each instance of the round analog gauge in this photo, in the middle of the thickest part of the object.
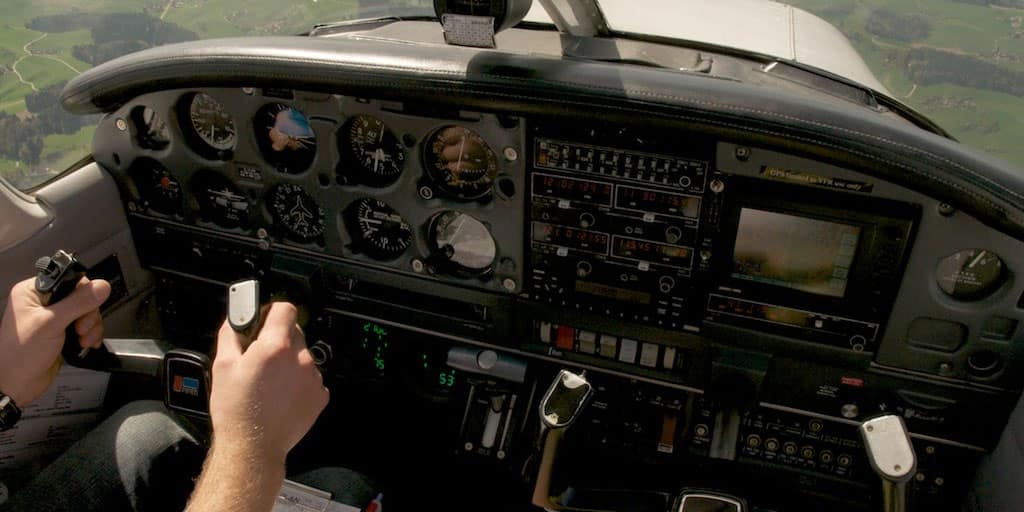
(285, 137)
(377, 229)
(970, 274)
(463, 242)
(160, 190)
(150, 129)
(220, 201)
(296, 211)
(373, 150)
(212, 123)
(460, 163)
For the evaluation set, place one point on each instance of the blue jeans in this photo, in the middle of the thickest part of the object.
(141, 458)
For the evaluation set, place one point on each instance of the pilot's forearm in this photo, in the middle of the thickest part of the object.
(235, 478)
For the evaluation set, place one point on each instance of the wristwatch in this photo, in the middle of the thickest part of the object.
(9, 413)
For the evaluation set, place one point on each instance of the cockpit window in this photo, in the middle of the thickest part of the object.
(43, 44)
(959, 62)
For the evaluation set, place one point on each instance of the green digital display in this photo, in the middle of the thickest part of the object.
(375, 344)
(446, 379)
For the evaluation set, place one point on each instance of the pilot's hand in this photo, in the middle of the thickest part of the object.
(265, 397)
(32, 335)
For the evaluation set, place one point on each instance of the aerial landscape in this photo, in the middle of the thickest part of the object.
(960, 62)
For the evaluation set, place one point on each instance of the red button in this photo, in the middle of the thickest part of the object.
(566, 338)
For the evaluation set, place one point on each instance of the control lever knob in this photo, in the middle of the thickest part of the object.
(891, 455)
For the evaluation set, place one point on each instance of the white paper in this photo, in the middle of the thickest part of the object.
(74, 390)
(295, 497)
(35, 438)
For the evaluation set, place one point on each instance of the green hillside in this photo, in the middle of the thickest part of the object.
(982, 116)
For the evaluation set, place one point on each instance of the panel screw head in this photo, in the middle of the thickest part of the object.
(511, 154)
(248, 90)
(509, 284)
(946, 209)
(418, 266)
(261, 233)
(742, 153)
(121, 124)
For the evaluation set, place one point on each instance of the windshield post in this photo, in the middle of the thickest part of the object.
(581, 18)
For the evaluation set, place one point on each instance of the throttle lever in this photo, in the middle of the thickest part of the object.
(56, 277)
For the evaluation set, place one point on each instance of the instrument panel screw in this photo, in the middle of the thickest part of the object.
(945, 368)
(418, 266)
(930, 450)
(511, 154)
(501, 454)
(263, 245)
(509, 284)
(468, 446)
(717, 186)
(939, 481)
(742, 153)
(946, 209)
(426, 192)
(132, 207)
(249, 90)
(261, 233)
(920, 477)
(121, 124)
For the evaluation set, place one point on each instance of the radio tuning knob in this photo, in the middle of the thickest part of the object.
(673, 234)
(584, 268)
(587, 220)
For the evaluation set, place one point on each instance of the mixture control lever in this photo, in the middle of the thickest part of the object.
(891, 456)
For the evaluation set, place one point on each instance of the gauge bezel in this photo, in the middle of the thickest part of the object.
(361, 243)
(142, 134)
(430, 160)
(199, 187)
(142, 169)
(444, 263)
(352, 167)
(193, 139)
(282, 228)
(285, 161)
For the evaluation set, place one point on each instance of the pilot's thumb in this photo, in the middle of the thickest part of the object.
(88, 295)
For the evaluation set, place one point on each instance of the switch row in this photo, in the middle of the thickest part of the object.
(581, 341)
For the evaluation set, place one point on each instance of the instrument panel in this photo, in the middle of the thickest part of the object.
(661, 257)
(338, 177)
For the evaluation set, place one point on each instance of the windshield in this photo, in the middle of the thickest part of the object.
(959, 62)
(44, 43)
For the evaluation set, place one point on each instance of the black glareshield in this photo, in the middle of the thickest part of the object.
(186, 380)
(563, 401)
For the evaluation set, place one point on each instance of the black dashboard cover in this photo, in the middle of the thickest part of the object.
(838, 132)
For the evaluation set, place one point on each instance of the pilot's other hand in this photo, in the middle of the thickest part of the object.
(32, 335)
(265, 398)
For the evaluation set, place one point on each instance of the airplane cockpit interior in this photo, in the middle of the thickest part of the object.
(544, 265)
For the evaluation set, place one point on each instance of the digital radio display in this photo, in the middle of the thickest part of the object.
(790, 251)
(575, 238)
(584, 191)
(613, 292)
(653, 252)
(654, 201)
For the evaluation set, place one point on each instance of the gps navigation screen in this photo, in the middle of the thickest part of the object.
(809, 255)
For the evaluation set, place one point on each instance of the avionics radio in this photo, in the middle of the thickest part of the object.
(614, 232)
